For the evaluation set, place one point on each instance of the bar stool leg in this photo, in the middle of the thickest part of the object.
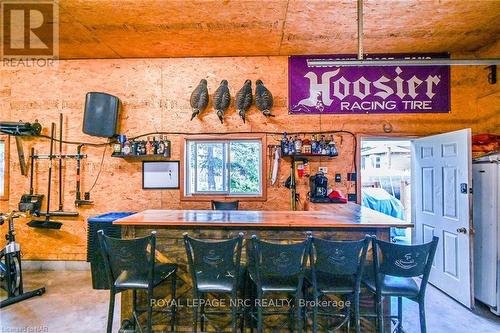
(315, 314)
(134, 308)
(300, 323)
(202, 314)
(111, 310)
(150, 310)
(400, 315)
(173, 309)
(356, 312)
(260, 323)
(380, 314)
(234, 314)
(421, 307)
(195, 318)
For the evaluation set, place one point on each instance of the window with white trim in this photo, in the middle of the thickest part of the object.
(223, 167)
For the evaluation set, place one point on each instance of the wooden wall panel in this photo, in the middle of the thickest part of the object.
(155, 95)
(151, 28)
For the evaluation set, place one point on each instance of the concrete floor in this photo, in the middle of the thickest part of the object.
(71, 305)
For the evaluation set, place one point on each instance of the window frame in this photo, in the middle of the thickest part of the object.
(6, 140)
(217, 195)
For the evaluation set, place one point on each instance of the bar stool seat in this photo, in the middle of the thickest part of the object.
(332, 284)
(393, 285)
(138, 279)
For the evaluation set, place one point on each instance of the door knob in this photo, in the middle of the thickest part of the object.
(462, 230)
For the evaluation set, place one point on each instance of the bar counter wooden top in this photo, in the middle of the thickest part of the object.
(348, 215)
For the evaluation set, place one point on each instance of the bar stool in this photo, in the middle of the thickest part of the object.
(215, 268)
(225, 205)
(394, 268)
(337, 269)
(130, 265)
(278, 268)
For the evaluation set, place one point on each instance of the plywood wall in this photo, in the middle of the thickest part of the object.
(155, 94)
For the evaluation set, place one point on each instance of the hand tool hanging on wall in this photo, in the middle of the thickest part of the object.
(276, 164)
(19, 129)
(47, 223)
(60, 211)
(79, 201)
(31, 202)
(20, 154)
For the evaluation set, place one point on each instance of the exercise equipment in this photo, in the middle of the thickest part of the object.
(47, 223)
(78, 200)
(11, 276)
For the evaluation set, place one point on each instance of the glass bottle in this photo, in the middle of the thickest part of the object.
(161, 146)
(332, 148)
(314, 144)
(126, 148)
(323, 146)
(291, 146)
(298, 145)
(168, 147)
(284, 145)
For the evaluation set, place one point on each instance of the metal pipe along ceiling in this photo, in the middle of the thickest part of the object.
(360, 61)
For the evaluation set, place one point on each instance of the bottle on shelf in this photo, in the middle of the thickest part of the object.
(133, 147)
(284, 145)
(154, 144)
(291, 146)
(314, 145)
(332, 148)
(126, 148)
(298, 145)
(306, 146)
(149, 146)
(168, 147)
(323, 145)
(161, 146)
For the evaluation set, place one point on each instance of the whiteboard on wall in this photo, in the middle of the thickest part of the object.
(160, 175)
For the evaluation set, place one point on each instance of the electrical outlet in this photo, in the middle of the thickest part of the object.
(338, 178)
(351, 197)
(323, 169)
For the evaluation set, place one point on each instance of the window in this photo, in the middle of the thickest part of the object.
(224, 168)
(4, 167)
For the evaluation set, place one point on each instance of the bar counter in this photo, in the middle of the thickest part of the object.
(329, 221)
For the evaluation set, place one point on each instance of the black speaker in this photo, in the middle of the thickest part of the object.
(101, 114)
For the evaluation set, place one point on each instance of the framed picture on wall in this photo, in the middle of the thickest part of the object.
(160, 175)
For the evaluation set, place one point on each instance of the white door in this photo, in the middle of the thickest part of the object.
(441, 170)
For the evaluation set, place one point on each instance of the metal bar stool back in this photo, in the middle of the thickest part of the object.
(215, 267)
(337, 268)
(395, 267)
(225, 205)
(275, 267)
(130, 265)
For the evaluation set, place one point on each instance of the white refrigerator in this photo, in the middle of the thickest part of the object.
(486, 218)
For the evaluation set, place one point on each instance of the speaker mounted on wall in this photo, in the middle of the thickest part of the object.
(101, 114)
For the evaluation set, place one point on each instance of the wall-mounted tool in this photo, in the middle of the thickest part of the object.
(47, 223)
(86, 200)
(60, 211)
(21, 129)
(31, 202)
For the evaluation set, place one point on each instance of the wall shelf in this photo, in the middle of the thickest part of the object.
(307, 156)
(142, 157)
